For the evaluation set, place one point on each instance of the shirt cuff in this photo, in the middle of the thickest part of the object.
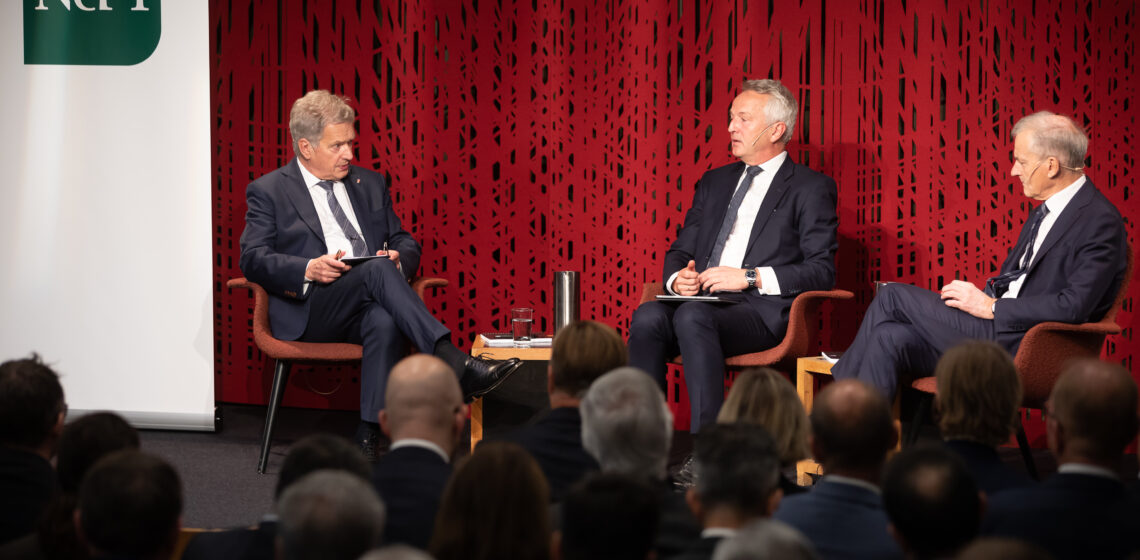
(669, 283)
(769, 285)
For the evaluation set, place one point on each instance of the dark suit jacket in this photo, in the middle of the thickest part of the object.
(27, 484)
(794, 233)
(410, 480)
(555, 442)
(255, 543)
(1070, 515)
(841, 520)
(702, 549)
(282, 233)
(989, 472)
(1075, 274)
(678, 530)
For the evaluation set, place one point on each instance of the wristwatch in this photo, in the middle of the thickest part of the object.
(750, 275)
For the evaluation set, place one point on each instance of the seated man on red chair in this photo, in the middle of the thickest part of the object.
(759, 232)
(305, 216)
(1067, 266)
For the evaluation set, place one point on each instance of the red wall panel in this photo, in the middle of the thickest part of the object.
(526, 137)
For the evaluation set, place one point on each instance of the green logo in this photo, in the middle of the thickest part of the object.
(91, 32)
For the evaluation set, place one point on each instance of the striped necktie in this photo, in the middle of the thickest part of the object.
(359, 248)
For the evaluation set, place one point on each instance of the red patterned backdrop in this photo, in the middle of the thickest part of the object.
(526, 137)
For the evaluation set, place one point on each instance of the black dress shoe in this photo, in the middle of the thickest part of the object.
(481, 375)
(371, 440)
(685, 477)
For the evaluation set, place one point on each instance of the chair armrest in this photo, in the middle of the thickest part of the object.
(1103, 326)
(651, 290)
(421, 284)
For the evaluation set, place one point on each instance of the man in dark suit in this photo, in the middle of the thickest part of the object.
(759, 232)
(1067, 266)
(842, 515)
(737, 482)
(933, 504)
(582, 352)
(302, 218)
(424, 416)
(1083, 511)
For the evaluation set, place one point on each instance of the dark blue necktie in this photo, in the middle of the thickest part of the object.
(998, 285)
(359, 248)
(730, 215)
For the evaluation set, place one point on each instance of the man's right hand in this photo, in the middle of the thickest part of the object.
(326, 268)
(686, 282)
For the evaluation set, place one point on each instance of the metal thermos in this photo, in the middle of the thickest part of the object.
(566, 297)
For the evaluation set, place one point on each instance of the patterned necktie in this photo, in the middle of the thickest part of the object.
(998, 285)
(359, 248)
(730, 216)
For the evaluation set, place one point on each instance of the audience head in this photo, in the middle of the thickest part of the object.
(130, 505)
(764, 539)
(609, 516)
(737, 473)
(851, 429)
(762, 396)
(319, 452)
(1002, 548)
(582, 352)
(979, 393)
(328, 514)
(313, 112)
(423, 400)
(31, 405)
(1091, 413)
(494, 506)
(626, 424)
(931, 500)
(86, 440)
(397, 552)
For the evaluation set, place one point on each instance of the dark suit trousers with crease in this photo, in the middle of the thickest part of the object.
(372, 305)
(703, 334)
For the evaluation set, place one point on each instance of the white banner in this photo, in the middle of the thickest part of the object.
(105, 222)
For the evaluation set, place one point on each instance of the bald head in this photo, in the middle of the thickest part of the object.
(1093, 412)
(851, 427)
(423, 400)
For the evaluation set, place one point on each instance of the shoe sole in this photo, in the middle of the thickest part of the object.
(495, 385)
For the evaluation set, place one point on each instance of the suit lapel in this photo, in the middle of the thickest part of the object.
(1066, 221)
(776, 191)
(360, 208)
(717, 208)
(302, 201)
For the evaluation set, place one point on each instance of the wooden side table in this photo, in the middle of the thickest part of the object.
(527, 355)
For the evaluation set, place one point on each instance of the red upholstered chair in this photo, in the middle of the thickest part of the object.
(1043, 353)
(285, 352)
(801, 339)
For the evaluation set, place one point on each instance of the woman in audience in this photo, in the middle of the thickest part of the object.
(494, 506)
(762, 396)
(979, 393)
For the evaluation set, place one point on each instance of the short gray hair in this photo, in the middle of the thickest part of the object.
(329, 514)
(313, 112)
(626, 424)
(782, 106)
(1053, 135)
(766, 538)
(397, 552)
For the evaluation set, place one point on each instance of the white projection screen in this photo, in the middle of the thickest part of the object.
(105, 216)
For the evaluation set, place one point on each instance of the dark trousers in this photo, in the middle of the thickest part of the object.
(372, 305)
(703, 334)
(904, 332)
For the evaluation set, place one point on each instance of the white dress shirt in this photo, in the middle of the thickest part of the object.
(335, 240)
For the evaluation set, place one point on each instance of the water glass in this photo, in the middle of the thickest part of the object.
(522, 321)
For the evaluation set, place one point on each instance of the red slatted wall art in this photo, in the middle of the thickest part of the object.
(526, 137)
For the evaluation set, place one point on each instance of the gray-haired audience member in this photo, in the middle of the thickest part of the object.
(1083, 511)
(397, 552)
(627, 427)
(764, 540)
(328, 515)
(609, 516)
(130, 506)
(31, 418)
(933, 504)
(842, 515)
(310, 454)
(737, 472)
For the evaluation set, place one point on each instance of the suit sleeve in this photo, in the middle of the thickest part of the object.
(1095, 260)
(397, 238)
(817, 224)
(280, 274)
(684, 248)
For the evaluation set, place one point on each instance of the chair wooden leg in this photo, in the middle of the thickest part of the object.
(280, 378)
(1026, 452)
(921, 415)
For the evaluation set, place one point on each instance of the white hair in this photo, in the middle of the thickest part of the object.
(781, 107)
(626, 424)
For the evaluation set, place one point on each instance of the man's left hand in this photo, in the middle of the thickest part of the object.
(967, 297)
(392, 254)
(723, 279)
